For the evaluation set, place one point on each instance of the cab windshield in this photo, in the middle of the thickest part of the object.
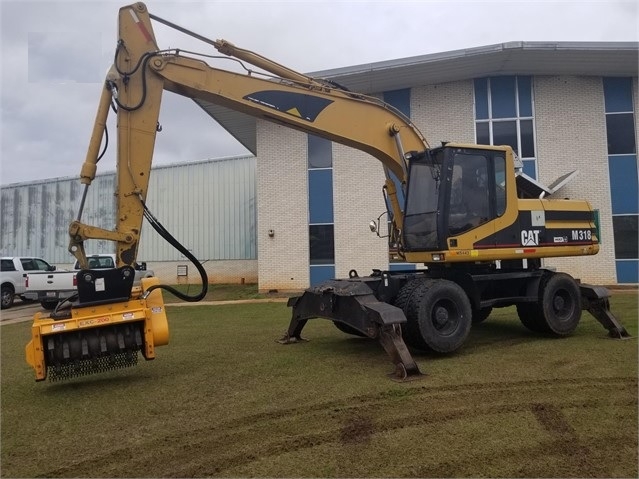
(422, 199)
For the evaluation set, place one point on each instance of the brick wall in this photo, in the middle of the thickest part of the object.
(571, 134)
(444, 112)
(357, 190)
(282, 206)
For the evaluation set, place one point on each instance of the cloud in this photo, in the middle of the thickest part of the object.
(55, 55)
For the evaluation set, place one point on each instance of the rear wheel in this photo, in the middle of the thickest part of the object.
(6, 299)
(532, 317)
(561, 304)
(441, 312)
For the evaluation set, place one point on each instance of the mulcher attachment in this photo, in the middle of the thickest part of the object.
(594, 299)
(93, 351)
(353, 304)
(98, 335)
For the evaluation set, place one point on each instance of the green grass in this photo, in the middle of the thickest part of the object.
(220, 292)
(224, 399)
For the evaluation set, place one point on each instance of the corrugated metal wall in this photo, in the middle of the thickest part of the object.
(208, 206)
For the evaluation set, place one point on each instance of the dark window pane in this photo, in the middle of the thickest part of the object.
(322, 248)
(320, 152)
(621, 133)
(502, 91)
(320, 196)
(524, 87)
(626, 231)
(483, 133)
(618, 94)
(623, 184)
(505, 133)
(481, 99)
(500, 185)
(400, 99)
(527, 139)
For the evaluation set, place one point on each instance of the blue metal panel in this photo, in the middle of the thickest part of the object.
(401, 267)
(320, 196)
(321, 273)
(624, 184)
(627, 271)
(530, 168)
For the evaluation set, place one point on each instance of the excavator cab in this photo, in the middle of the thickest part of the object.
(451, 191)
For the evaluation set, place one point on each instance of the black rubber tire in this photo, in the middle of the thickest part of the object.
(561, 304)
(6, 297)
(345, 328)
(532, 317)
(49, 305)
(481, 315)
(410, 330)
(443, 315)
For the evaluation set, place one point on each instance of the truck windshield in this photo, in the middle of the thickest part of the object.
(420, 218)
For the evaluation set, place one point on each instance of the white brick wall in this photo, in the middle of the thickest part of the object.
(357, 190)
(282, 206)
(444, 112)
(571, 134)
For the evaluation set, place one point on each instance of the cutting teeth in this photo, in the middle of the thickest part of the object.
(92, 351)
(84, 367)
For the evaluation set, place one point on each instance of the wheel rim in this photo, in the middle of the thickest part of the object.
(563, 304)
(445, 317)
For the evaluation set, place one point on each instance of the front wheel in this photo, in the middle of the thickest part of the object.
(442, 314)
(6, 299)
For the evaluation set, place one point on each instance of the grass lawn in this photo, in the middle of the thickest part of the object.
(224, 399)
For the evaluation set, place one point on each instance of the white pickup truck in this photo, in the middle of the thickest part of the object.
(13, 270)
(52, 287)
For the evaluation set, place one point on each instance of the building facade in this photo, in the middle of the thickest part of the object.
(302, 209)
(562, 107)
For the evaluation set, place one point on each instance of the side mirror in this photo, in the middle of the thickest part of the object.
(51, 268)
(373, 226)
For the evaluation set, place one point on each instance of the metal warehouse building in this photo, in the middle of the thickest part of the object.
(302, 208)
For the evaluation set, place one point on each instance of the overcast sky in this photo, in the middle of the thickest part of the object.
(55, 55)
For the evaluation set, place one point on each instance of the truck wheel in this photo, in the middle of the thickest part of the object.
(49, 305)
(7, 295)
(532, 317)
(480, 315)
(403, 301)
(561, 304)
(443, 315)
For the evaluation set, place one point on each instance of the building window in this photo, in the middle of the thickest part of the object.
(504, 116)
(624, 179)
(320, 210)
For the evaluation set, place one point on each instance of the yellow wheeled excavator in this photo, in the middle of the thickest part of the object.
(469, 215)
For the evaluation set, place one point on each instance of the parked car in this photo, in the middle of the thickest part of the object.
(13, 270)
(49, 288)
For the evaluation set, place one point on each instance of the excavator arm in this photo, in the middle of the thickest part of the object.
(142, 72)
